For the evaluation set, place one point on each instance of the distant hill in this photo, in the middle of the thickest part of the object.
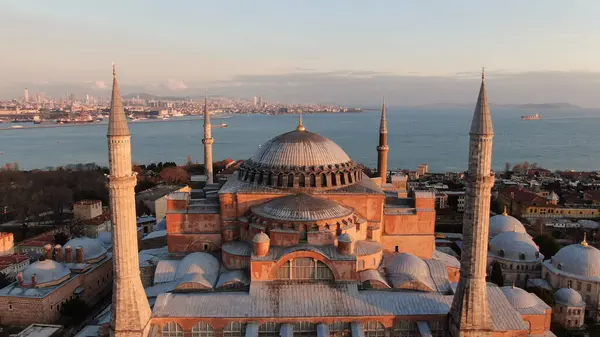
(148, 97)
(559, 105)
(542, 106)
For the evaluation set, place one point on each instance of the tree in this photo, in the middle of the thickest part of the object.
(548, 245)
(61, 238)
(174, 175)
(496, 276)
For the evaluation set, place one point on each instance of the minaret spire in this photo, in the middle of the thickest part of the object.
(130, 312)
(208, 141)
(470, 312)
(382, 148)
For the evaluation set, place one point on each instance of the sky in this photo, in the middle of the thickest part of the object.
(413, 51)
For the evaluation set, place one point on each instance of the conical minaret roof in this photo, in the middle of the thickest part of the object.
(117, 122)
(206, 114)
(482, 117)
(383, 124)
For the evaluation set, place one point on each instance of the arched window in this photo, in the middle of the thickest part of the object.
(323, 180)
(313, 180)
(340, 329)
(537, 255)
(374, 329)
(259, 179)
(333, 180)
(234, 329)
(290, 180)
(305, 329)
(350, 177)
(302, 180)
(280, 180)
(559, 266)
(172, 329)
(342, 178)
(203, 329)
(501, 253)
(521, 256)
(404, 329)
(270, 181)
(268, 329)
(304, 268)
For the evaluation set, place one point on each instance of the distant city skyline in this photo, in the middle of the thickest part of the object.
(411, 52)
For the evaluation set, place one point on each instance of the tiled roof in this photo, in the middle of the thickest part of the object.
(525, 197)
(9, 260)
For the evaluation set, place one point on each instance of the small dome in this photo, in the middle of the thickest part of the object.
(299, 148)
(505, 223)
(261, 238)
(519, 298)
(515, 246)
(46, 271)
(92, 248)
(301, 207)
(345, 238)
(199, 263)
(578, 259)
(568, 297)
(405, 263)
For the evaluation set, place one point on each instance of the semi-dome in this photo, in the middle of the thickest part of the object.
(300, 159)
(505, 223)
(47, 272)
(92, 248)
(405, 263)
(301, 207)
(347, 238)
(515, 245)
(579, 259)
(519, 298)
(568, 297)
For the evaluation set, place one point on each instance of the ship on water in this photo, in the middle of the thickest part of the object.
(533, 117)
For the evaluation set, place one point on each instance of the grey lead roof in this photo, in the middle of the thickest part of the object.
(291, 300)
(301, 207)
(299, 148)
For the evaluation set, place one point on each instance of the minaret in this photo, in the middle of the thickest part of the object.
(207, 141)
(470, 313)
(382, 149)
(130, 312)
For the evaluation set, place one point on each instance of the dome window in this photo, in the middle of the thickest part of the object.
(521, 256)
(537, 255)
(559, 266)
(501, 253)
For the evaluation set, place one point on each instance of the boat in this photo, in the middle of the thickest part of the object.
(533, 117)
(16, 126)
(223, 125)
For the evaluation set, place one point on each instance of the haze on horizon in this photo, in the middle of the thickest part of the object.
(412, 52)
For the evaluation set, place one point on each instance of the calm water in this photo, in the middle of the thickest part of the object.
(564, 139)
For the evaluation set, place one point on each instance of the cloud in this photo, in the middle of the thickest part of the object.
(100, 85)
(174, 85)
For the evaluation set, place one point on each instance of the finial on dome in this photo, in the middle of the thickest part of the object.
(300, 126)
(584, 242)
(504, 213)
(483, 73)
(114, 69)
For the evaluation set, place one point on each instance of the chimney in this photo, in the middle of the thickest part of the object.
(33, 280)
(68, 254)
(48, 249)
(58, 253)
(79, 254)
(20, 278)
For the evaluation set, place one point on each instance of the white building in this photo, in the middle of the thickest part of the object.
(569, 309)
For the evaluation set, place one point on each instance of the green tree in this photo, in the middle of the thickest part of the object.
(496, 276)
(548, 245)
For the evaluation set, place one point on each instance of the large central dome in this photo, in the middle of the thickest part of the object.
(299, 148)
(300, 159)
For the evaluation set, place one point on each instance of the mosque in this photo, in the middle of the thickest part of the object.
(300, 242)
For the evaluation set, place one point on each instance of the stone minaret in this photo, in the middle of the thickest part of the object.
(382, 149)
(207, 141)
(130, 310)
(470, 313)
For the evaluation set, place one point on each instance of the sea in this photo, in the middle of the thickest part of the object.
(562, 139)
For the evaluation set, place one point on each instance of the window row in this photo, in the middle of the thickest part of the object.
(304, 268)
